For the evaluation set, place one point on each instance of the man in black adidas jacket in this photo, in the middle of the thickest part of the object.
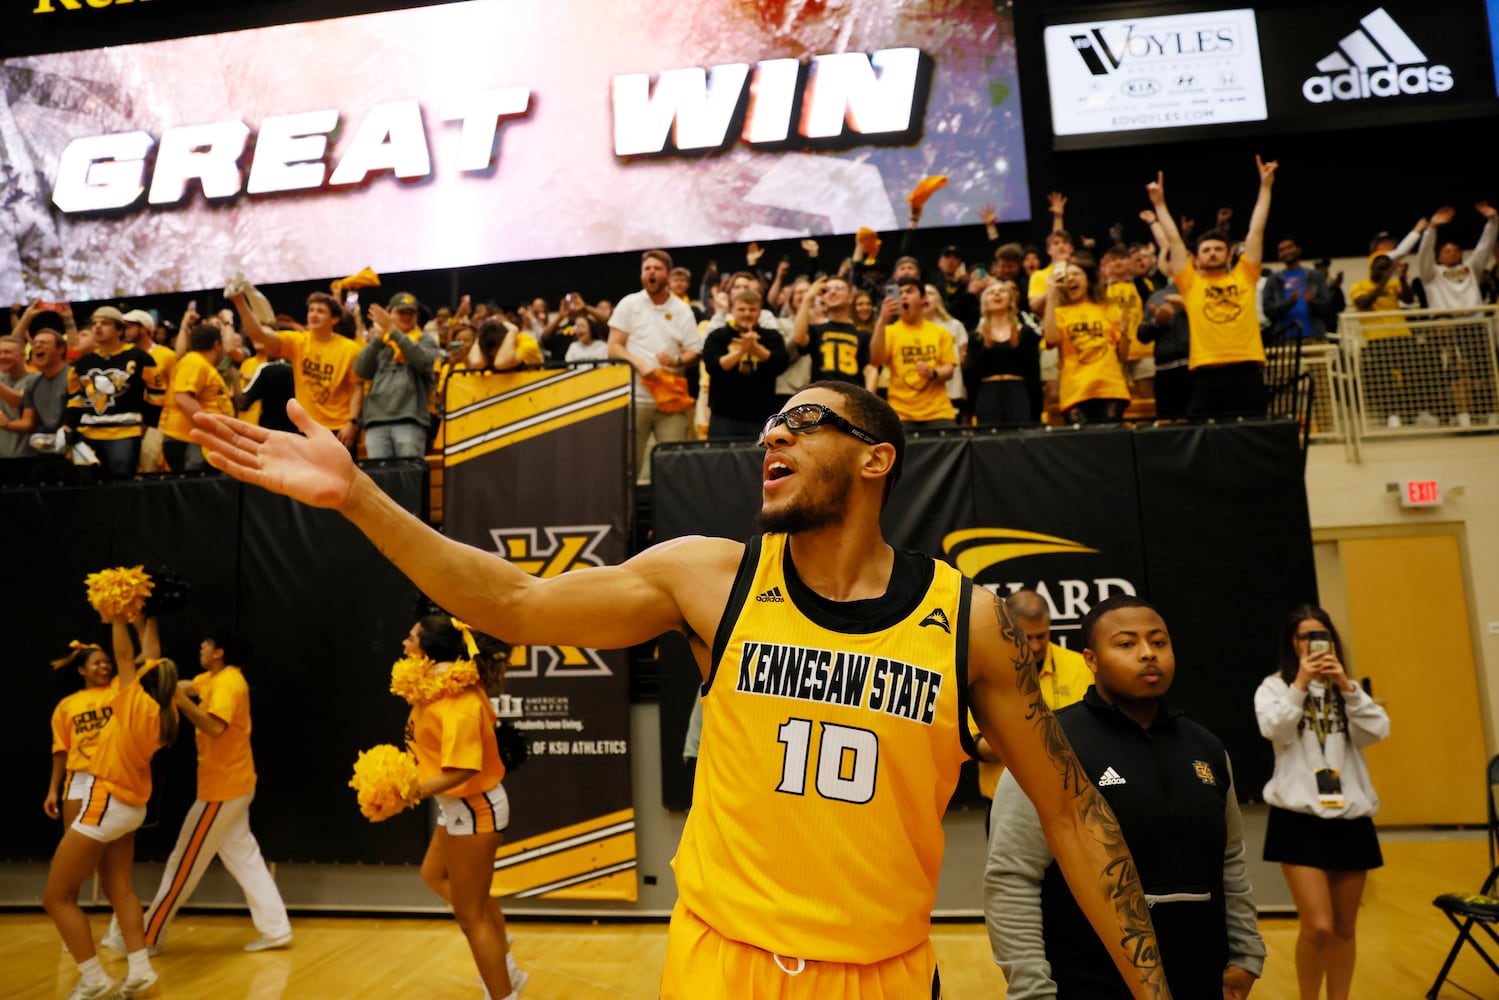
(1168, 781)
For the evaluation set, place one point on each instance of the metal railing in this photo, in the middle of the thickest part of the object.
(1421, 372)
(1391, 375)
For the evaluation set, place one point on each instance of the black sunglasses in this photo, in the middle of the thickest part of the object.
(809, 415)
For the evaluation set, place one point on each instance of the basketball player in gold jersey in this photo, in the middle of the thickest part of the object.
(838, 671)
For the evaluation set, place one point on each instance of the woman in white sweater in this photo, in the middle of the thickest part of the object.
(1321, 826)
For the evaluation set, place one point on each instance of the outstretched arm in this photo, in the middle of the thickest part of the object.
(801, 329)
(1254, 242)
(1175, 248)
(150, 639)
(644, 596)
(1049, 331)
(265, 341)
(124, 650)
(1080, 828)
(1408, 242)
(1056, 204)
(1483, 252)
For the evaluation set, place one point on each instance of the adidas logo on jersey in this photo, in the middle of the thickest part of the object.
(771, 596)
(1378, 60)
(938, 618)
(1110, 777)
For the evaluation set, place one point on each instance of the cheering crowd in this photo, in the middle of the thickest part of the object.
(1005, 334)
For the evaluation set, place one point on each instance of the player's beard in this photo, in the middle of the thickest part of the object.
(823, 506)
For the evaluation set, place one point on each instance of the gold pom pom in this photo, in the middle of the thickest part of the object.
(120, 592)
(385, 781)
(416, 679)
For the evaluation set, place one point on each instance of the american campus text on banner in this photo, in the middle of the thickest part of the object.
(535, 471)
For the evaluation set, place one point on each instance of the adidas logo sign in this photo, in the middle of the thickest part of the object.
(938, 618)
(1110, 777)
(771, 596)
(1379, 60)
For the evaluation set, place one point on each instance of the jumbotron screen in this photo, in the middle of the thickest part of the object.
(493, 131)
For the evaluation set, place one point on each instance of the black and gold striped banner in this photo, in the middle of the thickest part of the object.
(594, 859)
(487, 411)
(536, 470)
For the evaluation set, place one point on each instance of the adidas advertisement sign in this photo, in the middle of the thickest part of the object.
(1376, 61)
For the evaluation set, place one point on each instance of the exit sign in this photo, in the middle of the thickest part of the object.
(1420, 493)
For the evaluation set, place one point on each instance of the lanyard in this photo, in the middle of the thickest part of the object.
(1321, 713)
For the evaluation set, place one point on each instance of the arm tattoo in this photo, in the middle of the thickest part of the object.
(1028, 682)
(1122, 882)
(1119, 879)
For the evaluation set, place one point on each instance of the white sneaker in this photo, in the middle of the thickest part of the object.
(1463, 420)
(116, 942)
(264, 943)
(518, 979)
(82, 992)
(1427, 419)
(134, 986)
(1393, 420)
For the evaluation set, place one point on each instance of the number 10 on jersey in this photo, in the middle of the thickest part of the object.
(847, 760)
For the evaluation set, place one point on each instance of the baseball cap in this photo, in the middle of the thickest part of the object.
(139, 316)
(951, 250)
(108, 312)
(402, 300)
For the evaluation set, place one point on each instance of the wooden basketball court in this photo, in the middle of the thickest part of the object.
(1402, 940)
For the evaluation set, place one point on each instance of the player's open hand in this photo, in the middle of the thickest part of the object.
(312, 467)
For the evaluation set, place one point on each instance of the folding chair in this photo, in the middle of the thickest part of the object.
(1467, 910)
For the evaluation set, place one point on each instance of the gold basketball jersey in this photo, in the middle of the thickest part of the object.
(830, 748)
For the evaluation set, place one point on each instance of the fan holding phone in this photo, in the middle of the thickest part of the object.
(1322, 803)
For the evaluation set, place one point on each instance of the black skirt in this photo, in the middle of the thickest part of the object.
(1338, 845)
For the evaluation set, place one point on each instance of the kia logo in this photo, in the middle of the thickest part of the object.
(1141, 87)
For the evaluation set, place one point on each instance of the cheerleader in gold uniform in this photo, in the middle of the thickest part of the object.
(451, 733)
(142, 720)
(77, 724)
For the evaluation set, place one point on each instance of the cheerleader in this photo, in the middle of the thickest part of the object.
(142, 720)
(451, 733)
(77, 723)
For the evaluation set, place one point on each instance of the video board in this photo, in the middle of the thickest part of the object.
(491, 131)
